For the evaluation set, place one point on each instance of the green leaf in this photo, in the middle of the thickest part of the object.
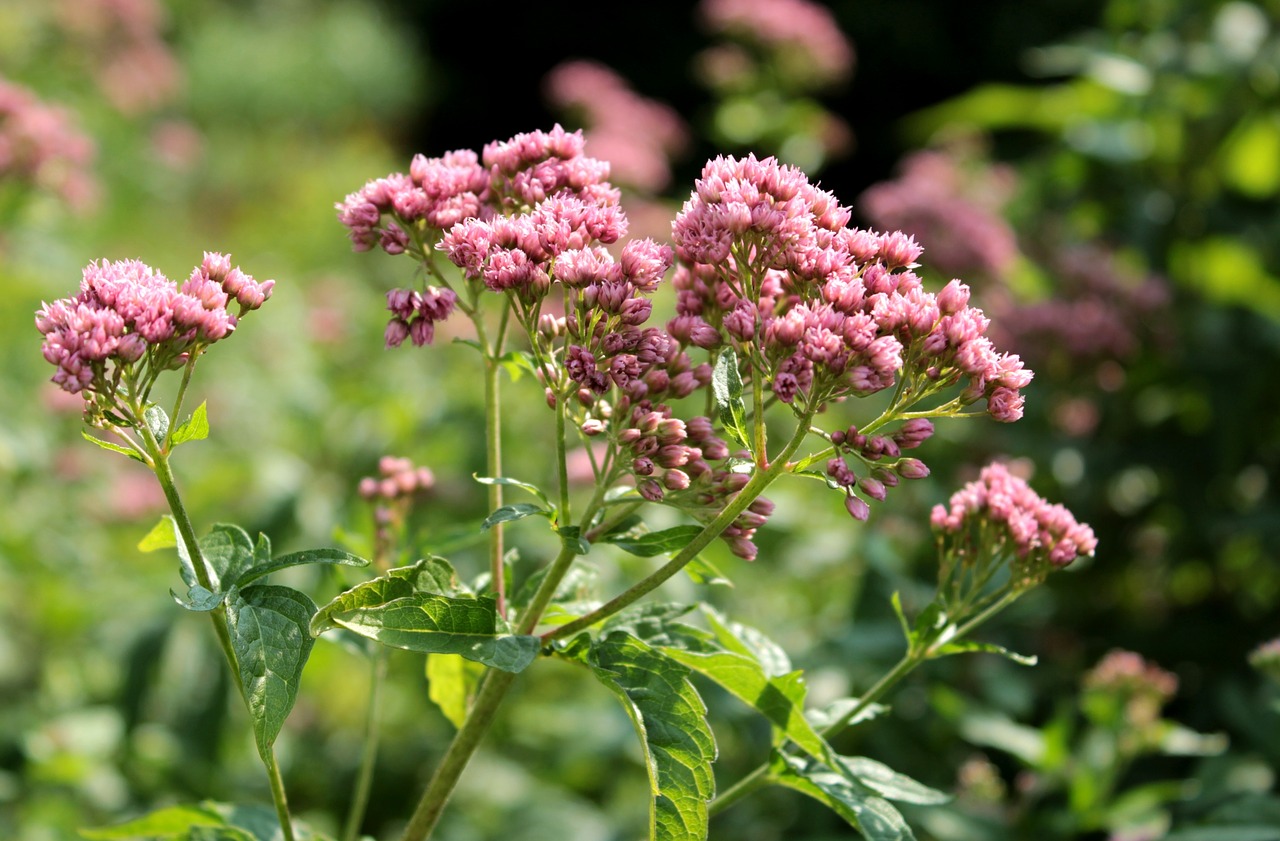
(199, 599)
(896, 601)
(838, 709)
(451, 684)
(1225, 833)
(194, 428)
(864, 810)
(171, 822)
(269, 634)
(339, 557)
(157, 421)
(726, 387)
(507, 513)
(743, 639)
(670, 718)
(517, 363)
(229, 551)
(571, 536)
(115, 448)
(163, 535)
(702, 571)
(435, 624)
(968, 646)
(655, 624)
(429, 575)
(779, 699)
(656, 542)
(889, 783)
(503, 480)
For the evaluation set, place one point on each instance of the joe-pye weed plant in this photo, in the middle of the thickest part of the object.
(786, 321)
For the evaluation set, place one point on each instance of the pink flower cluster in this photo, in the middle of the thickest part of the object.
(1129, 673)
(124, 41)
(807, 28)
(126, 311)
(829, 311)
(638, 136)
(1041, 536)
(397, 478)
(39, 146)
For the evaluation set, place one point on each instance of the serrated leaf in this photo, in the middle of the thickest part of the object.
(115, 448)
(163, 535)
(194, 428)
(670, 718)
(332, 556)
(451, 684)
(515, 483)
(779, 699)
(508, 513)
(269, 634)
(171, 822)
(970, 647)
(199, 599)
(435, 624)
(726, 387)
(870, 814)
(891, 784)
(157, 421)
(656, 542)
(229, 551)
(429, 575)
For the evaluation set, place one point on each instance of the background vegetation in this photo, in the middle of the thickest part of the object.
(1113, 168)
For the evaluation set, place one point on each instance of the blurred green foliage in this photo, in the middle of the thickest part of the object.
(1157, 131)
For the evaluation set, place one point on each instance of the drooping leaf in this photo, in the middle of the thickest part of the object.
(451, 684)
(194, 428)
(269, 634)
(670, 718)
(726, 387)
(199, 599)
(969, 647)
(656, 542)
(228, 549)
(171, 822)
(508, 513)
(516, 483)
(891, 784)
(779, 699)
(115, 448)
(435, 624)
(863, 809)
(307, 556)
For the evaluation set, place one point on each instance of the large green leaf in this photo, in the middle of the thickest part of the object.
(293, 559)
(435, 624)
(889, 783)
(655, 542)
(866, 811)
(269, 633)
(451, 684)
(735, 636)
(670, 718)
(779, 699)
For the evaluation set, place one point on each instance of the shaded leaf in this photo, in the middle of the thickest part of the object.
(571, 536)
(702, 571)
(726, 387)
(864, 810)
(199, 599)
(194, 428)
(269, 633)
(157, 421)
(229, 551)
(735, 636)
(670, 719)
(656, 542)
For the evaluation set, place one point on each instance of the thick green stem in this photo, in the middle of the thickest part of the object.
(369, 754)
(760, 480)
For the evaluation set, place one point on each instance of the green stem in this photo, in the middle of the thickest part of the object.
(277, 794)
(369, 755)
(182, 393)
(760, 480)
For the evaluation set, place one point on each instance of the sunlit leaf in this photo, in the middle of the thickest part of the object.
(194, 428)
(115, 448)
(508, 513)
(971, 647)
(670, 719)
(726, 387)
(228, 549)
(171, 822)
(862, 808)
(331, 556)
(451, 684)
(656, 542)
